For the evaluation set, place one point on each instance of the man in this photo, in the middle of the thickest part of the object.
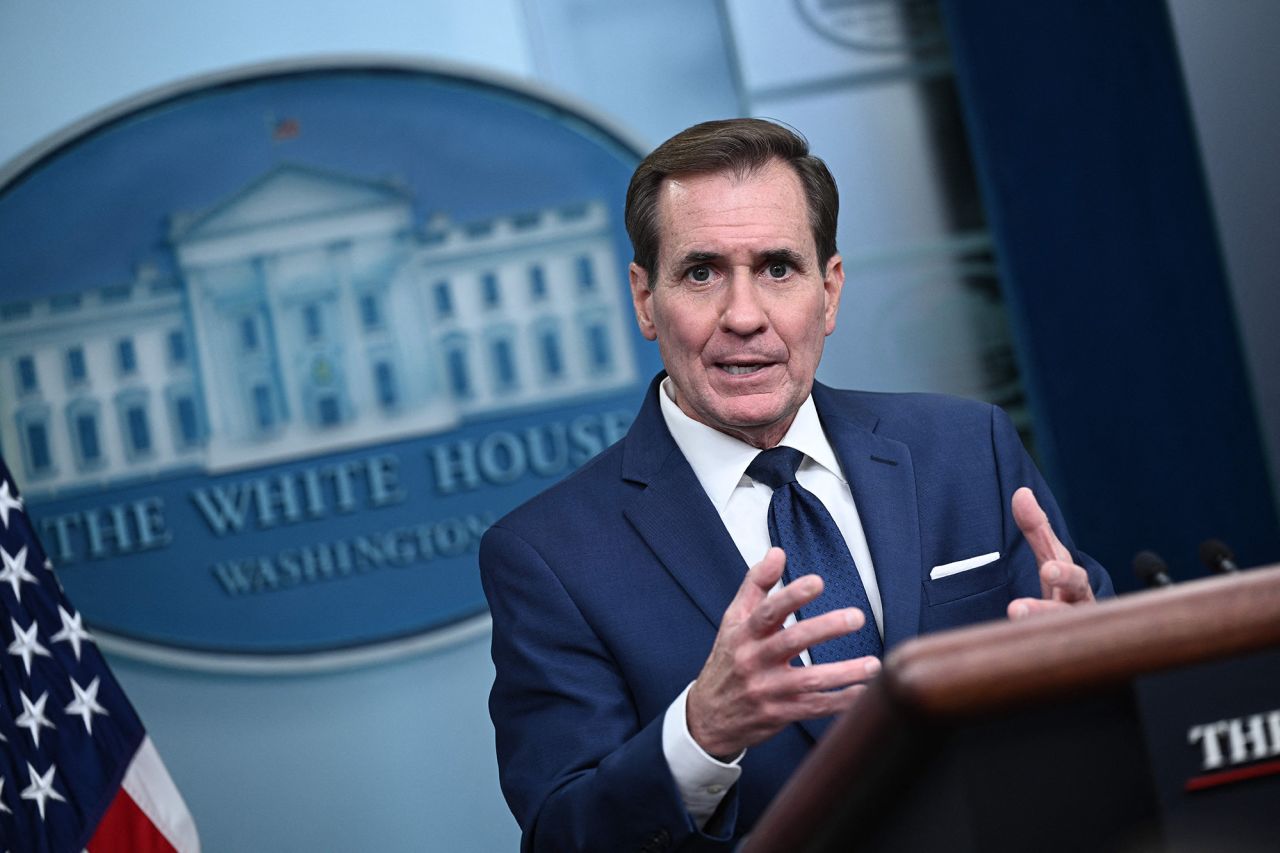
(645, 695)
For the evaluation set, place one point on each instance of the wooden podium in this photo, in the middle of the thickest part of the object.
(1148, 722)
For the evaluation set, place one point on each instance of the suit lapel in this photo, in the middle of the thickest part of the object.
(882, 479)
(675, 517)
(678, 522)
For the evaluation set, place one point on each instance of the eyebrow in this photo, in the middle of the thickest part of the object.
(691, 259)
(789, 256)
(768, 256)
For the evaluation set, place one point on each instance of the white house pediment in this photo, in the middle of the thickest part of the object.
(288, 195)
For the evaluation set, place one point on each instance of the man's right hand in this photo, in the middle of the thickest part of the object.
(748, 690)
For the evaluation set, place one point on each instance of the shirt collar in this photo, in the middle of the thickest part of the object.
(720, 461)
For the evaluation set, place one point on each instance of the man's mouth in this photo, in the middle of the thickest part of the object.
(741, 369)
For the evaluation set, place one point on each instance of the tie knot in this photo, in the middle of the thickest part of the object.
(776, 466)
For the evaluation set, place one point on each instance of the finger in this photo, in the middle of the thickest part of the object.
(808, 706)
(782, 646)
(1025, 608)
(764, 574)
(1035, 526)
(791, 682)
(836, 675)
(1067, 582)
(755, 586)
(818, 682)
(774, 610)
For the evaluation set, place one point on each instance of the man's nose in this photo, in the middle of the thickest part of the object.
(742, 312)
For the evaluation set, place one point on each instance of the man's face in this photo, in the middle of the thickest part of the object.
(737, 302)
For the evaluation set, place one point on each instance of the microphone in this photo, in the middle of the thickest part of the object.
(1151, 569)
(1215, 554)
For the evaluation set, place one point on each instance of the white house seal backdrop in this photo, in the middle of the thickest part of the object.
(276, 347)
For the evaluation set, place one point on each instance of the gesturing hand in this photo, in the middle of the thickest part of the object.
(748, 690)
(1062, 582)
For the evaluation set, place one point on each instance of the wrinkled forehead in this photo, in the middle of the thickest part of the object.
(727, 178)
(766, 202)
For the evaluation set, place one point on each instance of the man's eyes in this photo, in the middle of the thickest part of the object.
(705, 273)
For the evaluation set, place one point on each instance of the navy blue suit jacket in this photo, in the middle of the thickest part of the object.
(607, 589)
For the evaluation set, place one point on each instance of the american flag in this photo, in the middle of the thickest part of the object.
(77, 770)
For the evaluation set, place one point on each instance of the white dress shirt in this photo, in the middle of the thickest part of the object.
(720, 463)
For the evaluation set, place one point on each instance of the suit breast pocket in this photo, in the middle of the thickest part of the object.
(975, 581)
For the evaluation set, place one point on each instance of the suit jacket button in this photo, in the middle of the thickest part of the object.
(660, 840)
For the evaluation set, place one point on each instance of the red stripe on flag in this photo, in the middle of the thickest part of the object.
(126, 829)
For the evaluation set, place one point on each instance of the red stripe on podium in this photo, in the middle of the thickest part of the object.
(1213, 780)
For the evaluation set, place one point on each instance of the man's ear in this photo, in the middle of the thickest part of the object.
(642, 300)
(833, 285)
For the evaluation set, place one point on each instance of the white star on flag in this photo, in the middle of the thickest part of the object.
(7, 502)
(41, 788)
(72, 632)
(103, 789)
(85, 704)
(15, 571)
(32, 716)
(26, 644)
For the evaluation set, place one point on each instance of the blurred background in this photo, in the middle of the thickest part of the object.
(1069, 210)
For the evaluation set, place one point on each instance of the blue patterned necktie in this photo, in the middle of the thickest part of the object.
(800, 525)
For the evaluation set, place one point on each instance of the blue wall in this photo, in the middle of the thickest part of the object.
(393, 756)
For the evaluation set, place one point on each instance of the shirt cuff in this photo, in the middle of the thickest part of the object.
(702, 780)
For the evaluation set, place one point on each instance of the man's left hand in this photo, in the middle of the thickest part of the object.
(1062, 582)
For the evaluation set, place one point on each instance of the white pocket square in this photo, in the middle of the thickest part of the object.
(946, 570)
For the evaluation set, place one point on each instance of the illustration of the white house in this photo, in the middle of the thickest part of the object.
(310, 312)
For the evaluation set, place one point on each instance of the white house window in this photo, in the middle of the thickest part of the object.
(370, 312)
(177, 343)
(504, 363)
(77, 371)
(38, 447)
(27, 379)
(139, 432)
(537, 284)
(384, 381)
(312, 324)
(549, 351)
(184, 417)
(444, 300)
(263, 411)
(489, 290)
(37, 450)
(329, 411)
(457, 367)
(586, 273)
(135, 425)
(126, 356)
(599, 352)
(249, 333)
(86, 440)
